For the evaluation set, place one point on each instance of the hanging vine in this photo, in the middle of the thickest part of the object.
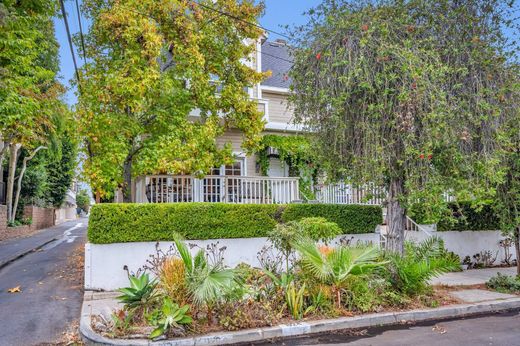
(296, 152)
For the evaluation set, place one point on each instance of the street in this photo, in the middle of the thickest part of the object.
(501, 329)
(51, 289)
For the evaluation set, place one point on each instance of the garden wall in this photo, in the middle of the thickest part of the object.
(41, 218)
(469, 243)
(104, 262)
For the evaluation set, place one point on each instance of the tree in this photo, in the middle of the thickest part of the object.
(61, 166)
(29, 93)
(152, 64)
(407, 95)
(83, 200)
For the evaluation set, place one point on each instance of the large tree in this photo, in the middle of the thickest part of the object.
(405, 94)
(30, 103)
(150, 65)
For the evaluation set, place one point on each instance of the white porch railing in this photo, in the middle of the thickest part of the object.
(214, 188)
(342, 193)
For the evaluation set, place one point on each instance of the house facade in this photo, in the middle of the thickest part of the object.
(242, 181)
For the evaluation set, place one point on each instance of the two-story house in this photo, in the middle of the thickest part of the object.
(241, 182)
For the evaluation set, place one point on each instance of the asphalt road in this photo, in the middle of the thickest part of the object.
(51, 283)
(501, 329)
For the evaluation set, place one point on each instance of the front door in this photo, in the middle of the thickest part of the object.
(223, 183)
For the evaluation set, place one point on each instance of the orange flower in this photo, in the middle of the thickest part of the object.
(318, 56)
(325, 250)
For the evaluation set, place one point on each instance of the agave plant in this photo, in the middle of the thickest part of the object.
(420, 263)
(140, 293)
(335, 266)
(207, 283)
(170, 316)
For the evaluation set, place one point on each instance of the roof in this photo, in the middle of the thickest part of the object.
(275, 58)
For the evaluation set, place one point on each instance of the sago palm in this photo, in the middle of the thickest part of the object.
(335, 266)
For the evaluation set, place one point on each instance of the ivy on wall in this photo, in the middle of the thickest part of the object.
(297, 153)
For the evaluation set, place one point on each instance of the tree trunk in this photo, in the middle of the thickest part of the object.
(516, 239)
(22, 172)
(13, 156)
(395, 217)
(2, 154)
(127, 180)
(98, 197)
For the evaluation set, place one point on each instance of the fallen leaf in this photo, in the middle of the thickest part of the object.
(16, 289)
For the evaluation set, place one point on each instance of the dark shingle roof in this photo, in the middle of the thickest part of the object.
(274, 59)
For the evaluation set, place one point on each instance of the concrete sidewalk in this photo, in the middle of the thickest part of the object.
(471, 277)
(13, 249)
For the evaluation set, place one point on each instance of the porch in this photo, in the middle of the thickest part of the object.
(248, 190)
(217, 188)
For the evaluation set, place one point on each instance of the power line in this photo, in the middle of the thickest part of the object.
(239, 19)
(81, 34)
(69, 38)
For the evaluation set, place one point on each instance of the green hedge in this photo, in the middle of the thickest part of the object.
(462, 216)
(115, 223)
(351, 219)
(465, 218)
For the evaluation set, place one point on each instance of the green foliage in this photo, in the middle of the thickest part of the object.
(60, 167)
(135, 102)
(319, 229)
(170, 316)
(352, 219)
(114, 223)
(294, 299)
(464, 216)
(504, 283)
(207, 283)
(140, 293)
(411, 95)
(297, 153)
(83, 200)
(410, 273)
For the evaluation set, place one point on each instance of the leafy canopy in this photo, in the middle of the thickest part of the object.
(162, 82)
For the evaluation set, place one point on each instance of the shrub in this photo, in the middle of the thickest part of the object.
(119, 223)
(462, 216)
(351, 218)
(319, 229)
(504, 283)
(411, 272)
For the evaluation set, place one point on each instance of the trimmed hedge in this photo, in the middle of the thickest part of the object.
(468, 219)
(462, 216)
(351, 218)
(119, 223)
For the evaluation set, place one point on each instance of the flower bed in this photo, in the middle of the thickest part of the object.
(194, 294)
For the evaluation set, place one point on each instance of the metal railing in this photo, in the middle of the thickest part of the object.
(342, 193)
(214, 188)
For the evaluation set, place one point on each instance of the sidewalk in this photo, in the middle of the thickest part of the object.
(13, 249)
(471, 277)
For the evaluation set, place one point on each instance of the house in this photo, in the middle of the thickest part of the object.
(243, 181)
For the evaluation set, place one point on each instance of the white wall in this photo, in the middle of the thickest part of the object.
(104, 263)
(468, 243)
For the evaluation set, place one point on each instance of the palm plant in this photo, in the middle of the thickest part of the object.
(206, 283)
(411, 272)
(336, 265)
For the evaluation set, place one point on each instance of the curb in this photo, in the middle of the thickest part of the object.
(24, 252)
(303, 328)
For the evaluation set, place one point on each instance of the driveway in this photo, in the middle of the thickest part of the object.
(51, 285)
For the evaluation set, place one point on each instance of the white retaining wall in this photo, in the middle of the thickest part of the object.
(104, 263)
(468, 243)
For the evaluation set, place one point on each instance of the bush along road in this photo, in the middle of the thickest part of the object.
(41, 292)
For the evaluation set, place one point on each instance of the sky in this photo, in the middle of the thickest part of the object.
(277, 13)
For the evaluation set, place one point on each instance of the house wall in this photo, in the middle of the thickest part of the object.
(277, 106)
